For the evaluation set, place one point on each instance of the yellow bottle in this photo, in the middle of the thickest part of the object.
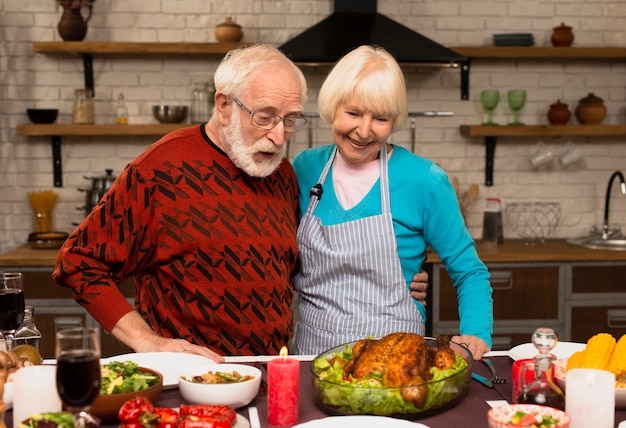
(121, 113)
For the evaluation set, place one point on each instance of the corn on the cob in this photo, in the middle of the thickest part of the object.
(617, 363)
(575, 360)
(598, 351)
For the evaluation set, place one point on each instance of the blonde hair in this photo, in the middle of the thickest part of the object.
(233, 73)
(368, 76)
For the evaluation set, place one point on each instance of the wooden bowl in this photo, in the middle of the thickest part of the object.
(106, 406)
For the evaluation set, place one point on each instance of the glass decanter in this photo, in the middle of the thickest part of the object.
(543, 390)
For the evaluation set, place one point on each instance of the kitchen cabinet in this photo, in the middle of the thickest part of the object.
(525, 296)
(597, 300)
(87, 50)
(574, 290)
(491, 133)
(55, 307)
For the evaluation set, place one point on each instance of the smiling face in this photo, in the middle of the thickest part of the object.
(359, 133)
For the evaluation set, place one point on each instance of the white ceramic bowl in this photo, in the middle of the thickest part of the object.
(231, 394)
(560, 370)
(498, 416)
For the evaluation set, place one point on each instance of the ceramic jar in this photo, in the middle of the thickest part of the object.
(228, 31)
(562, 35)
(590, 110)
(559, 113)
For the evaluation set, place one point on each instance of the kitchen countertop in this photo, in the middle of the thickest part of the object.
(512, 250)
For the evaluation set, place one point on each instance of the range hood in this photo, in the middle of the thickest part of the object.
(357, 22)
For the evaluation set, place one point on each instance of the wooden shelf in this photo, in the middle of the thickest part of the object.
(39, 130)
(55, 132)
(537, 52)
(543, 130)
(131, 48)
(491, 134)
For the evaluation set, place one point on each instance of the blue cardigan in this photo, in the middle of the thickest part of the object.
(425, 211)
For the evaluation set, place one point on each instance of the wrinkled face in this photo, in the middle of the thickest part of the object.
(360, 133)
(258, 158)
(258, 152)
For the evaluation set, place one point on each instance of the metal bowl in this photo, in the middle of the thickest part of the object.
(345, 398)
(170, 114)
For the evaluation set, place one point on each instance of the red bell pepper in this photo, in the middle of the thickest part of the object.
(132, 409)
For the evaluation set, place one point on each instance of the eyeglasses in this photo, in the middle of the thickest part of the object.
(267, 121)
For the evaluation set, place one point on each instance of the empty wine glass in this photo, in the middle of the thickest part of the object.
(489, 98)
(78, 375)
(11, 305)
(517, 99)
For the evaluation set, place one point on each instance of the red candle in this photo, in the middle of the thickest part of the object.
(283, 376)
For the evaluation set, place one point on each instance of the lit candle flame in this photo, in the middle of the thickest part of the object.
(284, 352)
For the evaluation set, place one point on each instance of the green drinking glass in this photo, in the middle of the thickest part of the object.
(517, 99)
(489, 99)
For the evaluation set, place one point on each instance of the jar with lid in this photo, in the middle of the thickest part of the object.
(559, 113)
(83, 107)
(228, 31)
(200, 103)
(562, 35)
(542, 390)
(590, 110)
(28, 333)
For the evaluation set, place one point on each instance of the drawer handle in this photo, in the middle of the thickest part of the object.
(501, 280)
(616, 318)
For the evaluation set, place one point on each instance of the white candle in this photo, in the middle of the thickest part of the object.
(590, 398)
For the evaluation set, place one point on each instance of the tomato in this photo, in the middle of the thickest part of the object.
(133, 409)
(528, 419)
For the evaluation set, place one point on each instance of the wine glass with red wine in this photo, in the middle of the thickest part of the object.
(78, 371)
(11, 305)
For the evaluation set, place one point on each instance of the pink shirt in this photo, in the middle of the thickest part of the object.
(352, 182)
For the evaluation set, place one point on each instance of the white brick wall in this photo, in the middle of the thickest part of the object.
(33, 80)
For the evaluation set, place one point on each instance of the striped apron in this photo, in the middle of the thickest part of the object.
(350, 281)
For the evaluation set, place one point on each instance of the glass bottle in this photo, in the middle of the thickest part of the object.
(28, 333)
(83, 107)
(543, 390)
(201, 103)
(121, 113)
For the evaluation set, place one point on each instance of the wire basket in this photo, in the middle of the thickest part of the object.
(533, 221)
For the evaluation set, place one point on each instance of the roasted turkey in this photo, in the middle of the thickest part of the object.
(403, 359)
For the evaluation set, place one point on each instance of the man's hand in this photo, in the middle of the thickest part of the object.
(134, 332)
(419, 286)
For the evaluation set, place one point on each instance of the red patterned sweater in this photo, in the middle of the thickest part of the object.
(211, 248)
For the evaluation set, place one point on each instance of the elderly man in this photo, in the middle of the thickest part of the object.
(205, 220)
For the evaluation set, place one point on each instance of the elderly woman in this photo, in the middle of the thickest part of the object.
(370, 210)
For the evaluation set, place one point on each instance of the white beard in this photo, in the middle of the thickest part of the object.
(243, 156)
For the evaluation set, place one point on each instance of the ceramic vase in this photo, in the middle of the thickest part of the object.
(228, 31)
(73, 27)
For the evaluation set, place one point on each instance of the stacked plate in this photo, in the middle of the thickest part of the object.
(513, 39)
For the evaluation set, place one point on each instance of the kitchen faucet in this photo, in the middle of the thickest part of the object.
(607, 232)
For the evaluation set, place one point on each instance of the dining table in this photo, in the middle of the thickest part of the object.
(470, 412)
